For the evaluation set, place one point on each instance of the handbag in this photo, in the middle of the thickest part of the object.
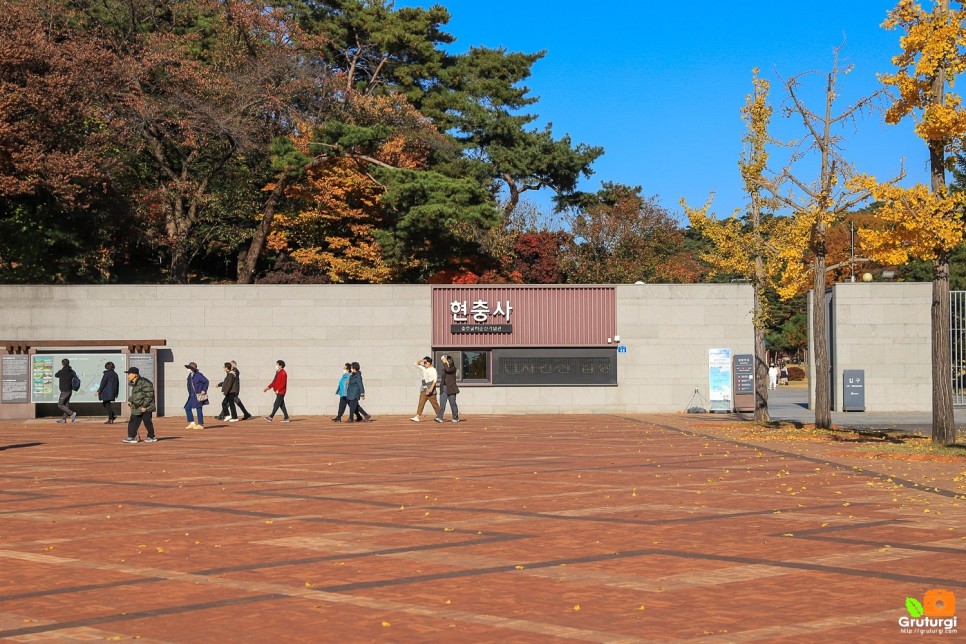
(200, 396)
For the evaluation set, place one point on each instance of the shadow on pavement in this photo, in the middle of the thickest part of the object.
(4, 447)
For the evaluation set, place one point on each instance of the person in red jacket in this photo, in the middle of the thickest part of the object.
(279, 385)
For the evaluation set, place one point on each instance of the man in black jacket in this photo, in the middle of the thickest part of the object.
(238, 402)
(229, 389)
(65, 377)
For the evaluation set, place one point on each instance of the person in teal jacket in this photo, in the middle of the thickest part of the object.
(340, 391)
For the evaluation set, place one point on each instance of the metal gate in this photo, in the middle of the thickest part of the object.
(957, 341)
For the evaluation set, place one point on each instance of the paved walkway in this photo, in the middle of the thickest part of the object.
(500, 528)
(790, 403)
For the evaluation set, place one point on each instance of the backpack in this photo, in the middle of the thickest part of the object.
(75, 382)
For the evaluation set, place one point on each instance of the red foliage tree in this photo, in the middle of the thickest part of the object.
(537, 256)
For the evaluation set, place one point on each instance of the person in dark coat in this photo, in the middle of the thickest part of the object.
(238, 401)
(355, 390)
(450, 389)
(340, 391)
(229, 389)
(108, 391)
(197, 384)
(65, 380)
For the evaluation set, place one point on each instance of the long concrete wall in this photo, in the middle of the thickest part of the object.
(666, 329)
(883, 329)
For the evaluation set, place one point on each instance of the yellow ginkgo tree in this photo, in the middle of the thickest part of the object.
(814, 204)
(926, 222)
(740, 243)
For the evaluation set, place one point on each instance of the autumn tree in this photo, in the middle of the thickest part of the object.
(374, 201)
(211, 85)
(926, 222)
(474, 99)
(740, 245)
(61, 215)
(814, 207)
(622, 238)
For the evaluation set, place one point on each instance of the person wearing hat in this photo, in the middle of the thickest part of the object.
(197, 396)
(141, 402)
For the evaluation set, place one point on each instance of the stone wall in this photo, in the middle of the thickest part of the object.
(884, 329)
(667, 331)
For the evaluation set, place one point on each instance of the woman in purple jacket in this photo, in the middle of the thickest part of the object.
(197, 384)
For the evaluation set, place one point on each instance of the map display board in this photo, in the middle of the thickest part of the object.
(89, 368)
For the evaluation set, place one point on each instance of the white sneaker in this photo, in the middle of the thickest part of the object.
(415, 419)
(191, 425)
(233, 420)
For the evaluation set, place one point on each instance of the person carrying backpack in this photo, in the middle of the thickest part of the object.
(69, 383)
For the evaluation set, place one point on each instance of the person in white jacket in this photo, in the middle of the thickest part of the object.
(773, 377)
(427, 387)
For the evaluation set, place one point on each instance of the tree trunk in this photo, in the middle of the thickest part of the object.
(248, 258)
(177, 228)
(761, 377)
(943, 420)
(823, 414)
(180, 258)
(761, 354)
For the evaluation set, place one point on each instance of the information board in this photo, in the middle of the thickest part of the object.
(580, 367)
(744, 379)
(89, 367)
(145, 364)
(719, 379)
(15, 376)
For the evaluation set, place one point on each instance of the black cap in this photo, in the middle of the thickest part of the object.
(133, 370)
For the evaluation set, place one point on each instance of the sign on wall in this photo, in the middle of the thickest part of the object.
(145, 362)
(15, 376)
(483, 317)
(546, 367)
(719, 379)
(45, 388)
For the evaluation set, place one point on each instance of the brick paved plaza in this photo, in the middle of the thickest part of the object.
(500, 528)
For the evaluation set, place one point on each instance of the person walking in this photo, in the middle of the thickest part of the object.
(238, 402)
(108, 391)
(427, 387)
(355, 390)
(229, 391)
(197, 396)
(450, 389)
(773, 376)
(340, 391)
(279, 385)
(66, 378)
(141, 402)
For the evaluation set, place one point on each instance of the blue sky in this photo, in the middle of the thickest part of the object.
(660, 85)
